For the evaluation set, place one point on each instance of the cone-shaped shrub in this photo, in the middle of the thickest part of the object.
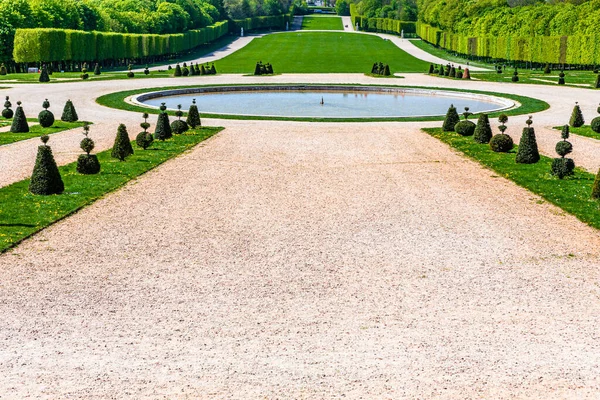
(452, 73)
(144, 139)
(197, 69)
(547, 70)
(561, 78)
(19, 123)
(258, 69)
(597, 84)
(528, 151)
(7, 112)
(177, 70)
(178, 126)
(45, 179)
(163, 127)
(576, 117)
(596, 187)
(451, 119)
(501, 143)
(44, 75)
(386, 70)
(69, 114)
(447, 70)
(441, 72)
(430, 69)
(459, 74)
(467, 74)
(87, 164)
(193, 117)
(185, 71)
(562, 166)
(46, 118)
(202, 70)
(3, 69)
(213, 70)
(483, 130)
(515, 77)
(122, 147)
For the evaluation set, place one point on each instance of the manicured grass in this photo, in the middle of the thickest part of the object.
(75, 76)
(22, 214)
(117, 100)
(571, 194)
(572, 78)
(446, 55)
(320, 52)
(323, 23)
(585, 130)
(36, 131)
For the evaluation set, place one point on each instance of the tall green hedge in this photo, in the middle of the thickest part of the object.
(254, 23)
(538, 49)
(44, 44)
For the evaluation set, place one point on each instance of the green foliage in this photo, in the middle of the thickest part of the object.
(431, 69)
(3, 69)
(178, 71)
(46, 118)
(163, 128)
(122, 147)
(501, 143)
(562, 167)
(7, 112)
(576, 117)
(178, 126)
(561, 78)
(45, 179)
(451, 119)
(97, 69)
(44, 75)
(19, 123)
(69, 114)
(595, 125)
(144, 139)
(597, 83)
(465, 128)
(193, 117)
(563, 148)
(515, 77)
(527, 152)
(596, 187)
(483, 130)
(88, 164)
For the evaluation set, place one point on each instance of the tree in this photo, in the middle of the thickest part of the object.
(451, 119)
(562, 166)
(501, 143)
(193, 117)
(69, 114)
(44, 75)
(45, 179)
(342, 7)
(87, 164)
(19, 123)
(178, 126)
(576, 117)
(144, 139)
(122, 147)
(527, 152)
(163, 128)
(483, 130)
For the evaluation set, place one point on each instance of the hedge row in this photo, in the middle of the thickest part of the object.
(387, 25)
(255, 23)
(580, 50)
(43, 44)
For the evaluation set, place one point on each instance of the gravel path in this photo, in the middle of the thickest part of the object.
(292, 260)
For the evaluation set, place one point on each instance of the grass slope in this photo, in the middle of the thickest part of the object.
(320, 52)
(571, 194)
(312, 22)
(36, 131)
(22, 214)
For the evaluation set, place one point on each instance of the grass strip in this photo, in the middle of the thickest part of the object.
(324, 23)
(585, 130)
(572, 194)
(116, 100)
(22, 214)
(37, 131)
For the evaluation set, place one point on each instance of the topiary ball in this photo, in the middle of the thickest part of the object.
(88, 164)
(465, 128)
(87, 145)
(595, 125)
(7, 113)
(144, 140)
(130, 74)
(46, 118)
(501, 143)
(562, 167)
(563, 148)
(178, 126)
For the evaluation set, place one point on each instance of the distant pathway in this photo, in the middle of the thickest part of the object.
(297, 23)
(347, 23)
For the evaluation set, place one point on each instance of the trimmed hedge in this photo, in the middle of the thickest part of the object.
(31, 45)
(255, 23)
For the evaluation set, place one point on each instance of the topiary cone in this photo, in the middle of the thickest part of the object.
(483, 130)
(596, 187)
(69, 114)
(19, 123)
(163, 127)
(122, 147)
(45, 179)
(467, 74)
(451, 119)
(527, 152)
(44, 75)
(576, 117)
(193, 117)
(177, 70)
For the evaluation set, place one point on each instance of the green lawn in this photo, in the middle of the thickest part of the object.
(571, 194)
(323, 23)
(36, 131)
(22, 214)
(585, 130)
(320, 52)
(584, 79)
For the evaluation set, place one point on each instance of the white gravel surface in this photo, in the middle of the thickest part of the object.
(291, 260)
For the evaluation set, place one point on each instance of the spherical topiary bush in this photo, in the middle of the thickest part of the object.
(451, 119)
(130, 73)
(69, 114)
(178, 126)
(193, 117)
(501, 143)
(45, 117)
(7, 112)
(515, 77)
(45, 179)
(44, 75)
(576, 117)
(84, 73)
(563, 148)
(146, 71)
(465, 128)
(527, 152)
(595, 125)
(144, 139)
(87, 164)
(483, 130)
(562, 167)
(163, 127)
(122, 146)
(19, 123)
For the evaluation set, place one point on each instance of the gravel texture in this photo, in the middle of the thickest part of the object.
(292, 260)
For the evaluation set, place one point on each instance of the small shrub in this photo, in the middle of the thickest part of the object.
(452, 73)
(562, 167)
(146, 71)
(122, 146)
(163, 127)
(447, 70)
(465, 128)
(97, 69)
(431, 69)
(386, 70)
(44, 75)
(7, 112)
(527, 152)
(499, 69)
(3, 69)
(144, 139)
(596, 187)
(459, 74)
(483, 130)
(178, 126)
(597, 83)
(467, 74)
(19, 122)
(213, 70)
(547, 69)
(451, 119)
(69, 114)
(561, 78)
(193, 117)
(185, 71)
(45, 179)
(177, 70)
(501, 143)
(87, 164)
(130, 73)
(515, 77)
(576, 117)
(46, 118)
(442, 72)
(595, 125)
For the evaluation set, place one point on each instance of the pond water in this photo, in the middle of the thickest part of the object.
(330, 103)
